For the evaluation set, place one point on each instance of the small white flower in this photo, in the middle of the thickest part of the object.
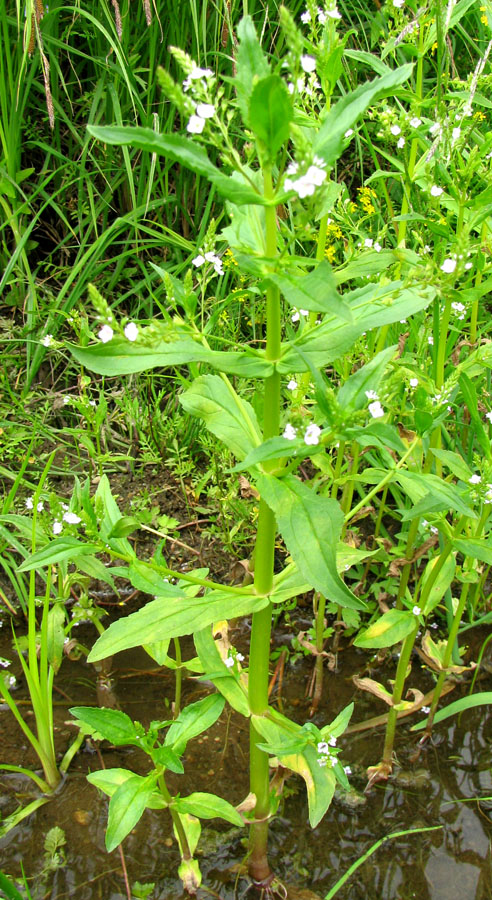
(195, 125)
(205, 110)
(488, 416)
(414, 382)
(415, 122)
(468, 265)
(292, 385)
(4, 663)
(311, 435)
(377, 247)
(197, 73)
(308, 64)
(434, 128)
(401, 143)
(57, 527)
(30, 501)
(71, 518)
(436, 191)
(372, 395)
(416, 611)
(396, 130)
(475, 479)
(289, 432)
(430, 340)
(229, 662)
(105, 334)
(333, 14)
(434, 530)
(455, 133)
(295, 317)
(67, 400)
(426, 709)
(198, 260)
(323, 747)
(398, 3)
(376, 409)
(305, 17)
(349, 133)
(448, 266)
(368, 242)
(47, 341)
(239, 657)
(347, 770)
(322, 760)
(12, 681)
(332, 742)
(131, 331)
(459, 309)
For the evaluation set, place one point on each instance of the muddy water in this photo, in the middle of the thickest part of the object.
(443, 788)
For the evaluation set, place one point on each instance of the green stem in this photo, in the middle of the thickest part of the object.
(401, 672)
(178, 678)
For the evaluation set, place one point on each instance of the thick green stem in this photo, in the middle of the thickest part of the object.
(401, 672)
(178, 678)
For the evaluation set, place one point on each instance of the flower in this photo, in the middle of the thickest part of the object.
(401, 143)
(30, 502)
(292, 385)
(305, 17)
(372, 395)
(416, 611)
(71, 518)
(322, 760)
(396, 130)
(455, 133)
(306, 184)
(332, 742)
(47, 341)
(347, 770)
(195, 125)
(436, 191)
(475, 479)
(448, 266)
(105, 334)
(311, 435)
(308, 64)
(323, 747)
(426, 709)
(205, 110)
(488, 416)
(332, 14)
(415, 122)
(229, 662)
(349, 132)
(368, 242)
(414, 382)
(459, 309)
(377, 247)
(40, 506)
(57, 527)
(131, 331)
(197, 73)
(289, 432)
(376, 409)
(239, 657)
(430, 340)
(398, 3)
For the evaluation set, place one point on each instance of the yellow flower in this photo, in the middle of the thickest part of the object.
(480, 116)
(484, 20)
(434, 47)
(334, 231)
(330, 252)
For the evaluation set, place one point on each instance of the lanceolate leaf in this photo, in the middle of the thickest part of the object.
(389, 629)
(126, 808)
(372, 306)
(251, 63)
(215, 671)
(310, 526)
(115, 726)
(345, 114)
(56, 551)
(208, 806)
(352, 395)
(459, 706)
(316, 291)
(270, 111)
(193, 720)
(169, 617)
(232, 419)
(438, 495)
(178, 149)
(477, 548)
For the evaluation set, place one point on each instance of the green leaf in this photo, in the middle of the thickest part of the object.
(438, 495)
(8, 888)
(270, 112)
(372, 306)
(225, 413)
(310, 526)
(178, 149)
(215, 671)
(273, 448)
(441, 584)
(316, 291)
(352, 394)
(192, 720)
(459, 706)
(329, 142)
(121, 357)
(109, 780)
(469, 392)
(370, 262)
(208, 806)
(115, 726)
(454, 462)
(126, 807)
(165, 756)
(56, 635)
(56, 551)
(124, 526)
(340, 724)
(476, 548)
(104, 499)
(169, 617)
(289, 583)
(251, 64)
(377, 434)
(391, 628)
(148, 579)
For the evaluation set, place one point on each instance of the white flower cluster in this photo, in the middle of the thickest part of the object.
(322, 15)
(196, 122)
(231, 659)
(106, 333)
(375, 408)
(311, 434)
(296, 315)
(211, 258)
(306, 184)
(201, 76)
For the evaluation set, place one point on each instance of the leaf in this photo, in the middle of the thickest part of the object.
(190, 875)
(377, 434)
(232, 419)
(192, 720)
(320, 781)
(120, 357)
(148, 579)
(178, 149)
(476, 548)
(454, 462)
(391, 628)
(370, 262)
(441, 584)
(288, 583)
(329, 141)
(208, 806)
(469, 392)
(459, 706)
(273, 448)
(115, 726)
(352, 394)
(316, 291)
(56, 635)
(169, 617)
(216, 672)
(104, 502)
(251, 64)
(56, 551)
(340, 724)
(270, 112)
(126, 807)
(374, 687)
(310, 526)
(124, 526)
(372, 306)
(438, 495)
(164, 756)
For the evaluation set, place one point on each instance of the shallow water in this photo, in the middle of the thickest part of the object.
(451, 862)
